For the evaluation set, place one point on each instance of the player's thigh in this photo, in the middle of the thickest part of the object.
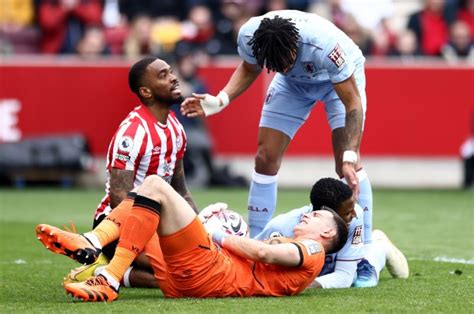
(287, 106)
(175, 212)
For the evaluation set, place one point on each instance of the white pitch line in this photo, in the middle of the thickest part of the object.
(444, 259)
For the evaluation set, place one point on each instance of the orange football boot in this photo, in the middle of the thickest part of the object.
(73, 245)
(94, 289)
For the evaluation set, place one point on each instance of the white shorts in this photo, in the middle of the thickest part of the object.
(288, 104)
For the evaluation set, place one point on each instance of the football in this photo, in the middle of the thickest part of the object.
(228, 220)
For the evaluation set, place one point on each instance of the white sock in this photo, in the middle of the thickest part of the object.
(110, 279)
(98, 270)
(126, 277)
(375, 253)
(93, 239)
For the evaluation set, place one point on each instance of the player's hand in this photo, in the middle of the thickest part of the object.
(349, 173)
(212, 209)
(204, 104)
(191, 107)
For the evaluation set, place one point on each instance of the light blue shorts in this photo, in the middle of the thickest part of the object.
(288, 103)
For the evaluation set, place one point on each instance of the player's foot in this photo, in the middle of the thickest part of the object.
(74, 245)
(94, 289)
(366, 275)
(397, 264)
(83, 273)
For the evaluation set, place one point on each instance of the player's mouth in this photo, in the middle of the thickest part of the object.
(175, 89)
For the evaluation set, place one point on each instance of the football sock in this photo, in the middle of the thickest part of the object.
(366, 202)
(109, 228)
(137, 230)
(262, 201)
(126, 278)
(376, 255)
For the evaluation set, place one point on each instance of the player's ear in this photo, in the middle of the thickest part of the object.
(144, 92)
(329, 232)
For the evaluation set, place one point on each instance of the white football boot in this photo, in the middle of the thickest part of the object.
(397, 264)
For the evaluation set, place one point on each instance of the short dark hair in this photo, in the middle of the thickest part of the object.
(275, 43)
(136, 72)
(342, 232)
(329, 192)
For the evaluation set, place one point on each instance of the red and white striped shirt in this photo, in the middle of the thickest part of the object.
(144, 146)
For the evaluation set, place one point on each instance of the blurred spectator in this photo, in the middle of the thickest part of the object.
(17, 32)
(93, 43)
(234, 14)
(358, 34)
(406, 45)
(139, 36)
(330, 10)
(153, 8)
(275, 5)
(166, 31)
(115, 26)
(63, 22)
(430, 27)
(198, 29)
(466, 14)
(199, 164)
(460, 45)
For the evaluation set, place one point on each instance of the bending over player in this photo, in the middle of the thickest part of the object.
(192, 265)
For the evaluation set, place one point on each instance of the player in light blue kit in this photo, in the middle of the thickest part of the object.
(340, 268)
(314, 60)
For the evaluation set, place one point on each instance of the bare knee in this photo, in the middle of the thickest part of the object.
(267, 162)
(151, 187)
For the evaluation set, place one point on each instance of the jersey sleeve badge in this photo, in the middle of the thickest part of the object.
(125, 144)
(312, 247)
(337, 56)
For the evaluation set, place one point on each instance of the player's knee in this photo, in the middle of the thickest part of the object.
(266, 162)
(151, 186)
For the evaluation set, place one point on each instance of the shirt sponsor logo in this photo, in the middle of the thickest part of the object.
(357, 237)
(126, 144)
(122, 157)
(337, 56)
(312, 247)
(309, 67)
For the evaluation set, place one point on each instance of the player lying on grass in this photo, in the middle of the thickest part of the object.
(340, 268)
(191, 264)
(348, 266)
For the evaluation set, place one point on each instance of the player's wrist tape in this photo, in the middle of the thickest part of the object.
(219, 236)
(214, 104)
(350, 156)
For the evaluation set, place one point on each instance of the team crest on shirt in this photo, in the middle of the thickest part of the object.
(337, 56)
(312, 247)
(126, 144)
(309, 67)
(357, 237)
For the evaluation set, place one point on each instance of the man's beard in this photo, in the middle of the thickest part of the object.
(170, 101)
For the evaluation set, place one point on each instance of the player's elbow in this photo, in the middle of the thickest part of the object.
(264, 255)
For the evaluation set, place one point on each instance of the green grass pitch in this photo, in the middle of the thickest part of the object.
(428, 226)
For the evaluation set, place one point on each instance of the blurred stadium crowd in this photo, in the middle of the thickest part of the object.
(90, 28)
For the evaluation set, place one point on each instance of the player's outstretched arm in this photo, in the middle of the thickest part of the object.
(284, 254)
(205, 105)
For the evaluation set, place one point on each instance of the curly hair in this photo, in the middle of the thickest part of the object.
(275, 43)
(329, 192)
